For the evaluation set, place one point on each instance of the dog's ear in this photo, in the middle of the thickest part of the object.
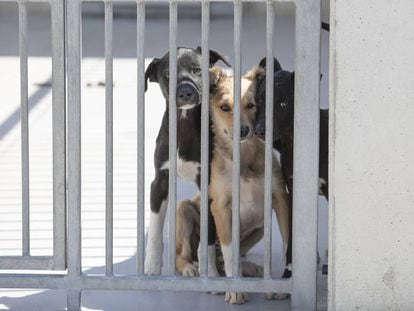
(215, 74)
(276, 64)
(215, 57)
(151, 72)
(256, 74)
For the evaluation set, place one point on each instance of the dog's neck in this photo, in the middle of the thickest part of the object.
(190, 117)
(223, 147)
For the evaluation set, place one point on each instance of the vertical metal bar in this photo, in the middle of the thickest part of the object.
(306, 155)
(141, 135)
(59, 143)
(267, 268)
(74, 138)
(236, 140)
(172, 137)
(24, 122)
(205, 25)
(109, 133)
(73, 300)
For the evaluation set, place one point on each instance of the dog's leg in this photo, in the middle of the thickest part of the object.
(187, 222)
(288, 269)
(281, 207)
(251, 240)
(222, 217)
(159, 199)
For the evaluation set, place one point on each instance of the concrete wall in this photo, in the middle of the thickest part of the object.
(372, 155)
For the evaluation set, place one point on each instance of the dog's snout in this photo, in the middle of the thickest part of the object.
(186, 93)
(244, 131)
(260, 131)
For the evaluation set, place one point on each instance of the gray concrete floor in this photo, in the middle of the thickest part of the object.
(221, 36)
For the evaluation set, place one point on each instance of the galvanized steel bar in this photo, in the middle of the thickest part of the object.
(74, 137)
(160, 1)
(59, 134)
(73, 300)
(267, 262)
(74, 23)
(172, 181)
(141, 135)
(109, 139)
(30, 262)
(24, 122)
(164, 283)
(235, 240)
(306, 155)
(205, 27)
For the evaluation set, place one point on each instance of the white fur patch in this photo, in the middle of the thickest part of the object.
(322, 182)
(211, 256)
(153, 258)
(228, 259)
(183, 114)
(187, 170)
(186, 107)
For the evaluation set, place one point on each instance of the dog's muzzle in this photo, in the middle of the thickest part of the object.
(187, 96)
(245, 132)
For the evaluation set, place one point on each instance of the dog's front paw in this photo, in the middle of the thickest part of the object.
(190, 270)
(153, 265)
(276, 296)
(250, 269)
(236, 298)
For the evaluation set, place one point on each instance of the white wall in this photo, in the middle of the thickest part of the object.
(372, 155)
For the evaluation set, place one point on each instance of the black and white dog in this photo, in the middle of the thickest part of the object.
(189, 95)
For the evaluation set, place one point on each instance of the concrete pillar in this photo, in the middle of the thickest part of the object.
(372, 155)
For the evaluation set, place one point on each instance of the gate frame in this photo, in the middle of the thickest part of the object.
(58, 260)
(302, 285)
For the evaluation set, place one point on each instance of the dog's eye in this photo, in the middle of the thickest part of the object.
(196, 70)
(167, 75)
(225, 108)
(250, 106)
(283, 104)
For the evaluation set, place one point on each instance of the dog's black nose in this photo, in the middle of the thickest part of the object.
(186, 93)
(244, 131)
(260, 132)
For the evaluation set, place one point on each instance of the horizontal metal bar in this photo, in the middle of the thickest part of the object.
(26, 262)
(150, 1)
(251, 285)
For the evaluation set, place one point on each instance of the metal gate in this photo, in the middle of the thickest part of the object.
(302, 285)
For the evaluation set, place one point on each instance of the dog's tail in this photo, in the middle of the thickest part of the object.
(325, 26)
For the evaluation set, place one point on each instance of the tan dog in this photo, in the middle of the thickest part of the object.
(252, 170)
(188, 239)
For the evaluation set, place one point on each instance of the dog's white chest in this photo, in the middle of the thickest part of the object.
(187, 170)
(251, 203)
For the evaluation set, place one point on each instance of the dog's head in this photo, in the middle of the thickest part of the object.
(189, 82)
(222, 103)
(283, 103)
